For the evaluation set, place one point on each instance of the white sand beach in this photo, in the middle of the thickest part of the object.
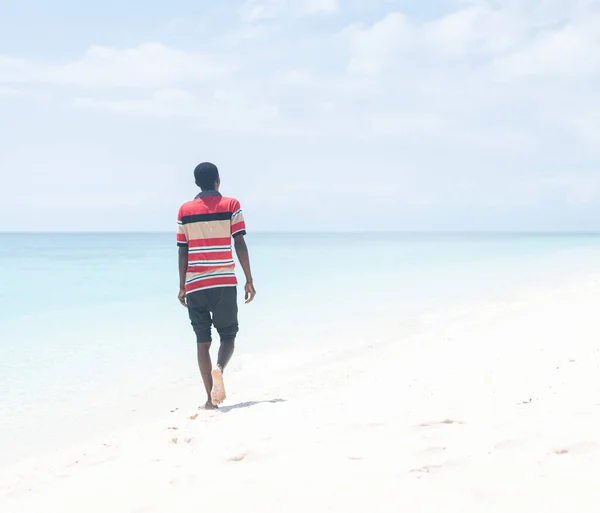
(490, 410)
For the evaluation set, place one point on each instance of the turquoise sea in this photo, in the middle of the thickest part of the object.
(90, 323)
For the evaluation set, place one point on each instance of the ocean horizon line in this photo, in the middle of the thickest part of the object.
(509, 233)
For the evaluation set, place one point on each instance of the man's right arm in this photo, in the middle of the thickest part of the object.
(183, 266)
(241, 250)
(182, 242)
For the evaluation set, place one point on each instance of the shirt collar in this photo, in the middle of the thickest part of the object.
(204, 194)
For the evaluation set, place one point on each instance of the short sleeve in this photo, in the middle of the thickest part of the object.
(238, 225)
(182, 240)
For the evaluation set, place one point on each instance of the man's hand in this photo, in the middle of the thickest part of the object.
(181, 297)
(249, 292)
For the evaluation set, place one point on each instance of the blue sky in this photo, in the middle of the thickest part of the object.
(321, 114)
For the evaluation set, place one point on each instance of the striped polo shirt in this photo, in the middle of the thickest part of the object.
(206, 226)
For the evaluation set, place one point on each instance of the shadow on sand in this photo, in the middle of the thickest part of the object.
(249, 404)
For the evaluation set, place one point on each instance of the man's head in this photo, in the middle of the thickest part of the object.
(207, 176)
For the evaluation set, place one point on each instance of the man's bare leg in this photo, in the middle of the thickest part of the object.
(225, 353)
(218, 394)
(205, 365)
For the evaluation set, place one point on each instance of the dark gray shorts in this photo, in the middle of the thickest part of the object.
(214, 307)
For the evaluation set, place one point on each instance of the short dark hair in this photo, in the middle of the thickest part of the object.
(206, 175)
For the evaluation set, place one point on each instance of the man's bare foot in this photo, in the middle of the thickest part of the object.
(217, 395)
(210, 406)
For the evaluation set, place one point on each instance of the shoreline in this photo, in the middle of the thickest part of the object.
(497, 398)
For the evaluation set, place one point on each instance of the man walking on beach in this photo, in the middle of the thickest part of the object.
(207, 282)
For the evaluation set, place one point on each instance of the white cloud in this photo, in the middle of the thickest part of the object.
(475, 29)
(260, 10)
(462, 76)
(223, 110)
(319, 6)
(375, 48)
(567, 52)
(471, 73)
(32, 94)
(149, 65)
(490, 106)
(452, 77)
(256, 11)
(295, 76)
(537, 40)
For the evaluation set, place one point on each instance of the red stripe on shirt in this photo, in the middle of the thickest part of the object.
(211, 282)
(202, 243)
(237, 227)
(181, 237)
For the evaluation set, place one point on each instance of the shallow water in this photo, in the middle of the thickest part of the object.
(89, 324)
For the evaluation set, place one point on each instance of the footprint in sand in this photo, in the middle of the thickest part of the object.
(575, 449)
(447, 422)
(432, 451)
(240, 456)
(428, 469)
(177, 440)
(437, 466)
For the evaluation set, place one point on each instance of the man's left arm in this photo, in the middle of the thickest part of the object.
(238, 231)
